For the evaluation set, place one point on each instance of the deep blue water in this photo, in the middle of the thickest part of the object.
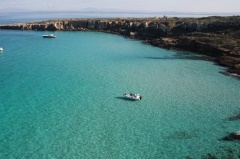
(62, 98)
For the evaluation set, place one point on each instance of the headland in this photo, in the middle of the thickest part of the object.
(216, 37)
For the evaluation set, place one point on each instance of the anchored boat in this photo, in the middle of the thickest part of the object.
(49, 36)
(133, 96)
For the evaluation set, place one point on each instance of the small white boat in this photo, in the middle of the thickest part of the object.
(133, 96)
(49, 36)
(1, 49)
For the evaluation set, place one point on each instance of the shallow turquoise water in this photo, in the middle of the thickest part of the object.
(61, 98)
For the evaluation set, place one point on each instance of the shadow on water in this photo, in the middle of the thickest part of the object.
(230, 74)
(233, 118)
(126, 99)
(181, 135)
(176, 57)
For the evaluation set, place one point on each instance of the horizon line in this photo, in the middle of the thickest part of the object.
(119, 11)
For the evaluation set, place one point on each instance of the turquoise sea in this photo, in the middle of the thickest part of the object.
(62, 98)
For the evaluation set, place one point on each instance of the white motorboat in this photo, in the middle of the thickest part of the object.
(1, 49)
(49, 36)
(133, 96)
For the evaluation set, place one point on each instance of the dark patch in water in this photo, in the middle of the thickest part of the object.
(179, 57)
(181, 135)
(157, 58)
(231, 137)
(224, 152)
(230, 74)
(127, 99)
(233, 118)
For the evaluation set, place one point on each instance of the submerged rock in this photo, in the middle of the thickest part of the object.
(232, 136)
(181, 135)
(235, 117)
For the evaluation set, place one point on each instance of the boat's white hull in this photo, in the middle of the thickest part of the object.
(133, 96)
(48, 36)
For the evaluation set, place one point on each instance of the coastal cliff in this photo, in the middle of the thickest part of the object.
(216, 37)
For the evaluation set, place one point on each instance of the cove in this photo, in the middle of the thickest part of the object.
(59, 98)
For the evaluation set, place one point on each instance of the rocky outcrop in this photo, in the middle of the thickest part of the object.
(217, 37)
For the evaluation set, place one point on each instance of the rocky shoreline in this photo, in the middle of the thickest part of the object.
(216, 37)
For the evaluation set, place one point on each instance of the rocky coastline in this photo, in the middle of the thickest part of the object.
(216, 37)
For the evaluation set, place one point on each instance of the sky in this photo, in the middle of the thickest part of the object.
(128, 5)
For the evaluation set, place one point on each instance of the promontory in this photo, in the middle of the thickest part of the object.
(217, 37)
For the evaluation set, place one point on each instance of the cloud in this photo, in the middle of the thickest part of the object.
(7, 3)
(50, 5)
(13, 2)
